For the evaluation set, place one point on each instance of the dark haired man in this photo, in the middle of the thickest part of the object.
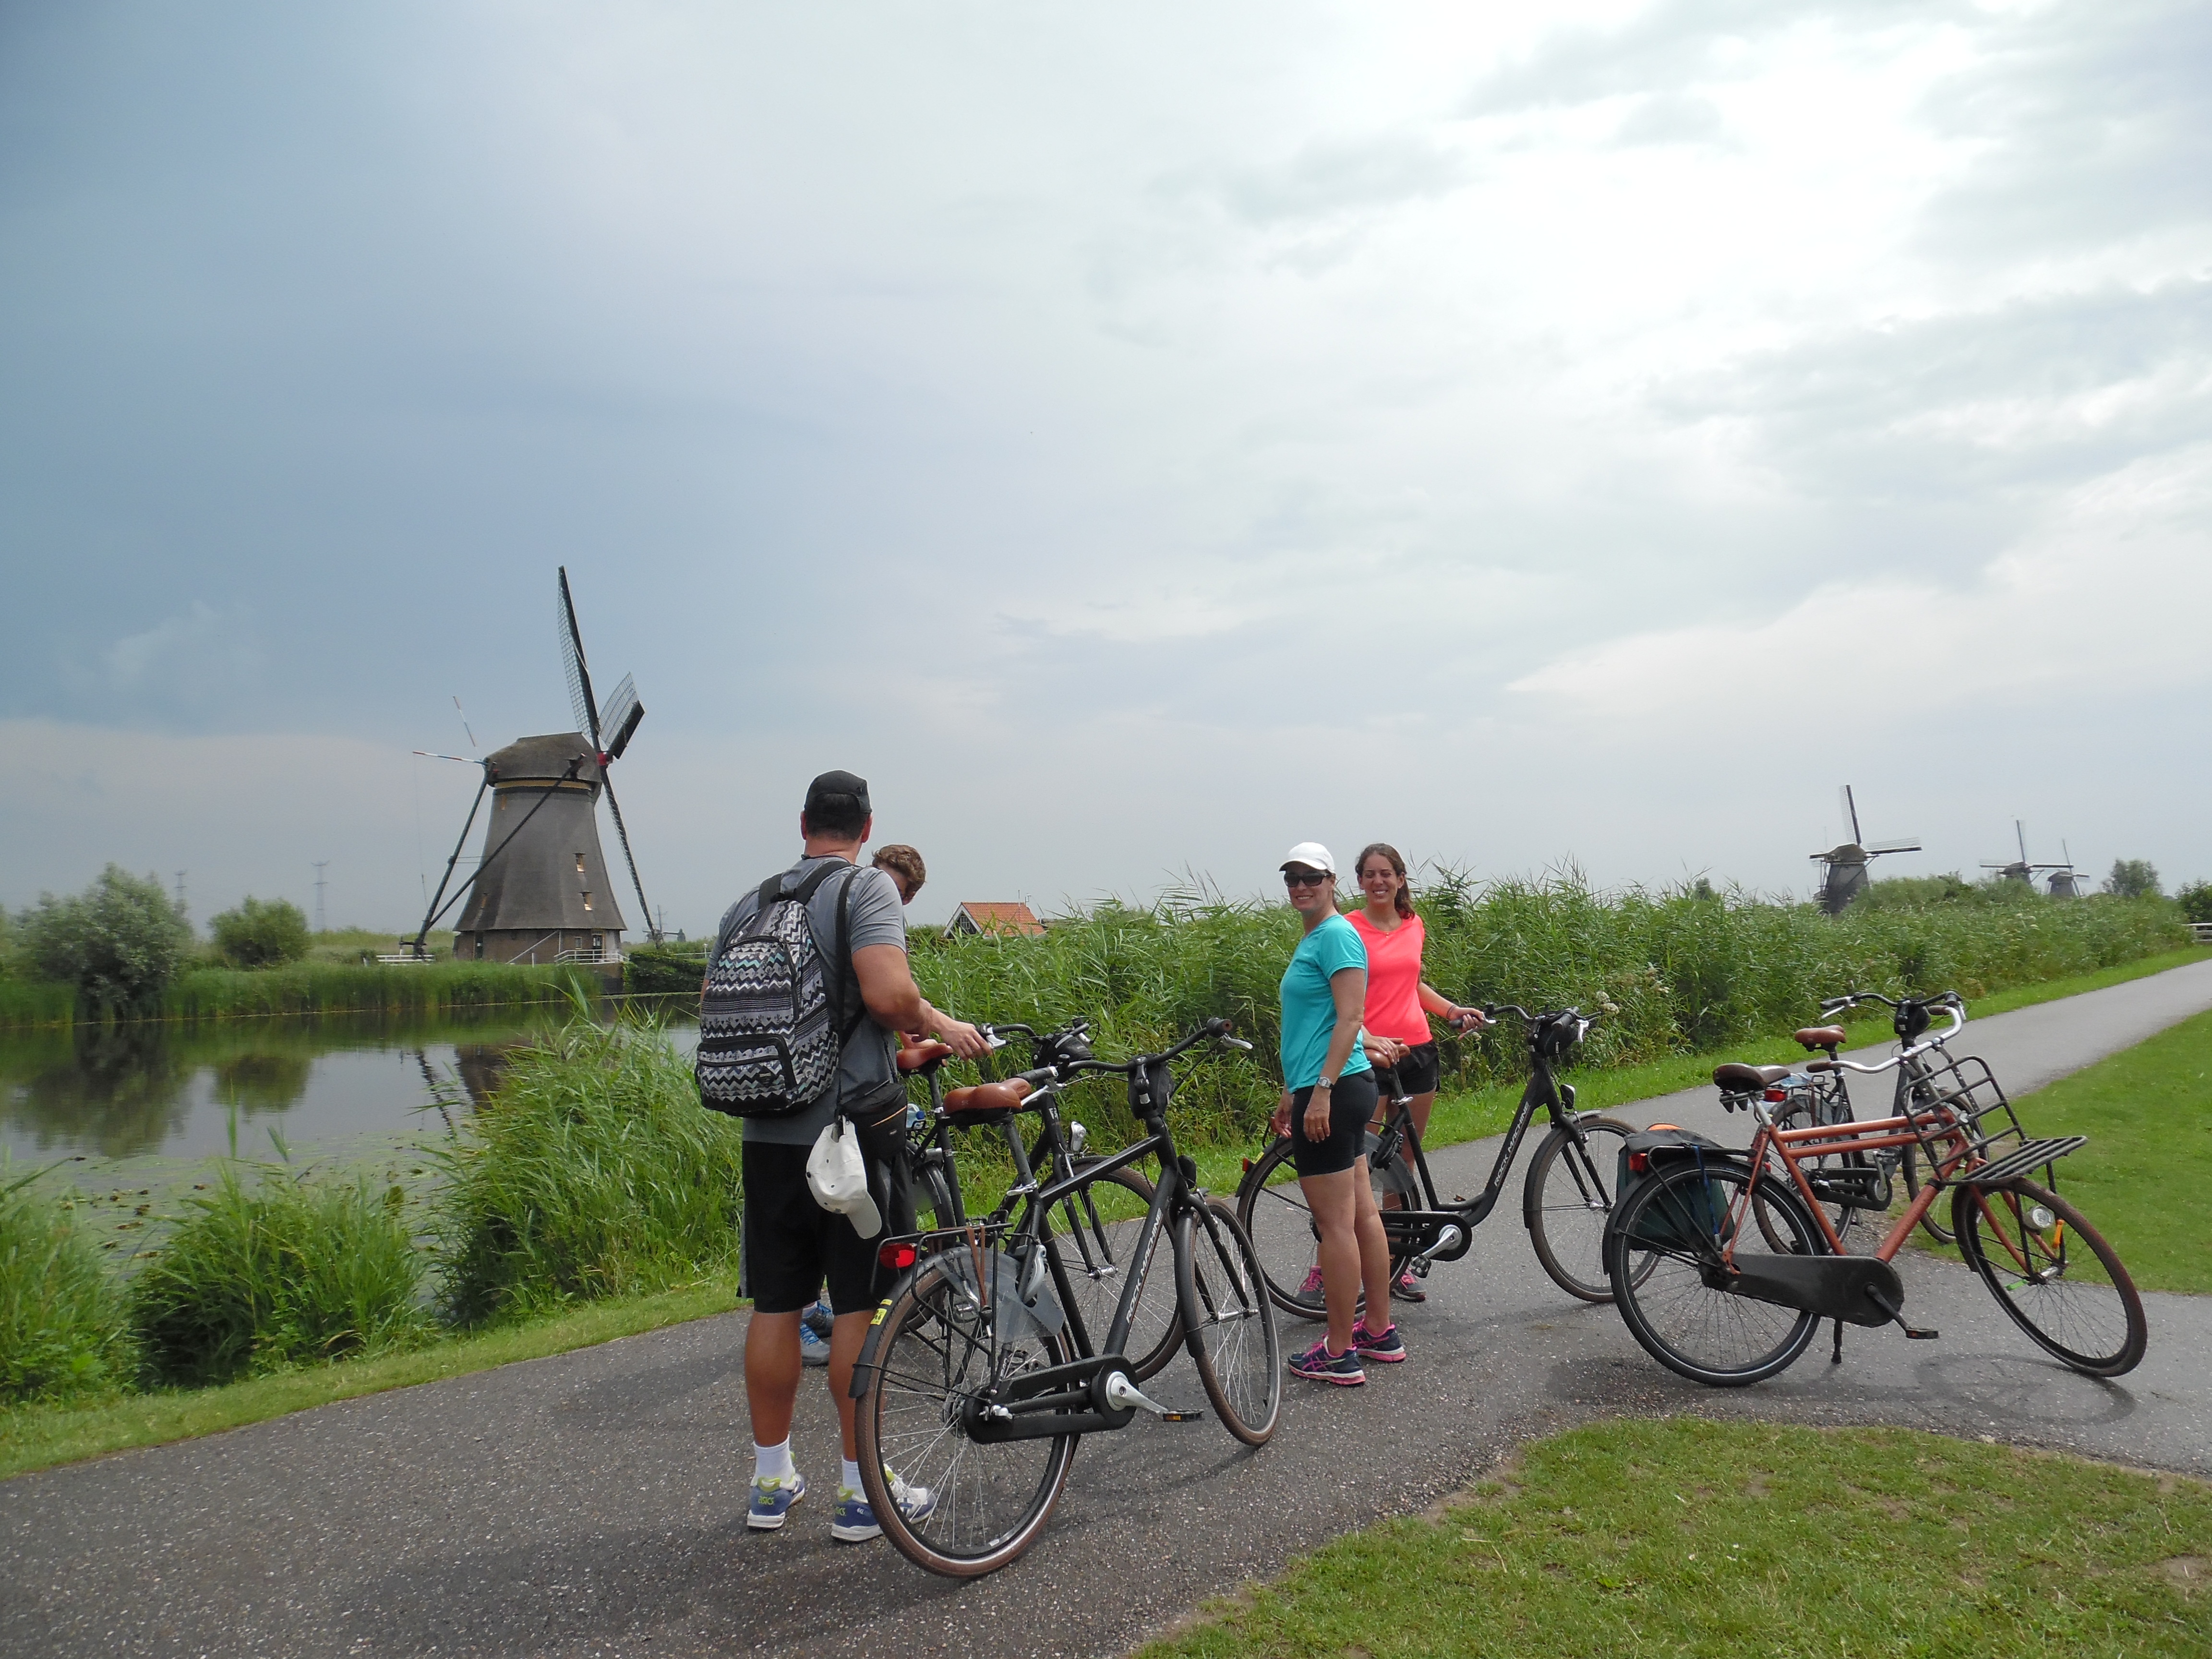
(791, 1242)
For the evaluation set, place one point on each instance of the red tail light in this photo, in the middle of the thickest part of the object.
(1776, 1094)
(1248, 1166)
(896, 1257)
(1639, 1162)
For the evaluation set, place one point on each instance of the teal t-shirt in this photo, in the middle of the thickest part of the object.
(1309, 1009)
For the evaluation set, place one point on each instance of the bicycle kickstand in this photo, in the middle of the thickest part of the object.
(1836, 1358)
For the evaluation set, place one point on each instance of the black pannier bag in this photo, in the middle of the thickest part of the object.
(1691, 1215)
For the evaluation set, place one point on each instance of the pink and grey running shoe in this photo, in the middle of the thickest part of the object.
(1318, 1365)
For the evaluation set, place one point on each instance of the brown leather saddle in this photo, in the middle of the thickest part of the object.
(1736, 1078)
(1830, 1037)
(987, 1103)
(915, 1056)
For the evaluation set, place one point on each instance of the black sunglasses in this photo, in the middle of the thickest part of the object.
(1304, 877)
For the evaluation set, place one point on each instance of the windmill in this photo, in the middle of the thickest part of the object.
(2065, 879)
(1844, 869)
(541, 892)
(2021, 871)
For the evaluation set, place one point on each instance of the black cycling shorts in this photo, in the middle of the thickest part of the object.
(791, 1243)
(1420, 1071)
(1352, 1103)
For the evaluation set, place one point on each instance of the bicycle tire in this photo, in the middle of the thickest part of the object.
(1087, 1245)
(2098, 1330)
(1566, 1226)
(932, 1197)
(1928, 1225)
(928, 1345)
(1680, 1319)
(1226, 1306)
(1272, 1210)
(1807, 1115)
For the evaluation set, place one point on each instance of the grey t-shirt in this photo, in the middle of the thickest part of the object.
(868, 1067)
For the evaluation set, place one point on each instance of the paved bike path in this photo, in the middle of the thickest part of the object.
(594, 1502)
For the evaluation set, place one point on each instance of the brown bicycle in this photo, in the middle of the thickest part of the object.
(1723, 1263)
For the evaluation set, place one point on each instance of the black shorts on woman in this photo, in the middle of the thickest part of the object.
(1352, 1103)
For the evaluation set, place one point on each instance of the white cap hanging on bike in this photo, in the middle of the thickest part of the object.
(1312, 855)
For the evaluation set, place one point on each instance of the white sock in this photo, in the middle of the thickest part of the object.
(771, 1463)
(851, 1477)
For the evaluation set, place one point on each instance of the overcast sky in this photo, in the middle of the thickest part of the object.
(1136, 438)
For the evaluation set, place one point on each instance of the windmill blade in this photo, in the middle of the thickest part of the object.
(622, 835)
(624, 712)
(2020, 830)
(463, 714)
(1910, 844)
(431, 754)
(572, 660)
(1850, 814)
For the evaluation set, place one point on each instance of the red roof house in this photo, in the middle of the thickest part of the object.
(1010, 921)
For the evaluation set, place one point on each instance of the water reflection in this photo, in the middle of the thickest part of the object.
(176, 1089)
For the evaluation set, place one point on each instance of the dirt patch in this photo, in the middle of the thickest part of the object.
(2186, 1573)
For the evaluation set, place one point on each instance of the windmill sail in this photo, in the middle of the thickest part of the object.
(572, 662)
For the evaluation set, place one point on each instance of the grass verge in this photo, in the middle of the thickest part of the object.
(39, 1436)
(1685, 1536)
(2142, 1177)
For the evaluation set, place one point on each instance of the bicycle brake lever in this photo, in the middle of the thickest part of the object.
(1228, 1041)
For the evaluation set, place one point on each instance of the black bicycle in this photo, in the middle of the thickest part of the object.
(1094, 1227)
(1564, 1204)
(979, 1375)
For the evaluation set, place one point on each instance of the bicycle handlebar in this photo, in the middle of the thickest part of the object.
(1213, 1028)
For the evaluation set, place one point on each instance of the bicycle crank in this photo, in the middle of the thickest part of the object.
(1122, 1394)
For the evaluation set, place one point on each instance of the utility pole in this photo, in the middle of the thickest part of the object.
(322, 922)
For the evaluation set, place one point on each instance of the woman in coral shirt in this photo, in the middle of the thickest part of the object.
(1399, 1001)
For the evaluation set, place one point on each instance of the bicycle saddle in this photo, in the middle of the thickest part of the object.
(982, 1097)
(913, 1058)
(1819, 1036)
(1736, 1077)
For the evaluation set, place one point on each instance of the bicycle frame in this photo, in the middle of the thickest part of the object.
(1865, 1136)
(1423, 1228)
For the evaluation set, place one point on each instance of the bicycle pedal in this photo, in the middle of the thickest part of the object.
(1180, 1417)
(1912, 1335)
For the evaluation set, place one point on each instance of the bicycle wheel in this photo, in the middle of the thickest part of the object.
(2029, 1244)
(1095, 1232)
(939, 1346)
(1565, 1201)
(1670, 1294)
(932, 1199)
(1928, 1225)
(1228, 1321)
(1271, 1209)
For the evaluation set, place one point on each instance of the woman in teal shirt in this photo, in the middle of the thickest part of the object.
(1328, 1094)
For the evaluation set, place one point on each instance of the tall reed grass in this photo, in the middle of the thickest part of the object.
(1686, 973)
(593, 1172)
(65, 1330)
(317, 988)
(288, 1270)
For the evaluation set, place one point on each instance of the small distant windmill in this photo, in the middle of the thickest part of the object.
(1844, 867)
(2021, 871)
(541, 890)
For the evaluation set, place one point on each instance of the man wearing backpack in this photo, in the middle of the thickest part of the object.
(806, 989)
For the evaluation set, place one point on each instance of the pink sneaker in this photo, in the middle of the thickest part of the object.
(1310, 1290)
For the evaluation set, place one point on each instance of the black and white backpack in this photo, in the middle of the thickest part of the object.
(770, 1029)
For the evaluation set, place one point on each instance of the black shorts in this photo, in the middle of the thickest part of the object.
(1352, 1103)
(791, 1243)
(1420, 1071)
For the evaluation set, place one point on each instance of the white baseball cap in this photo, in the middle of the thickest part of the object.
(1312, 855)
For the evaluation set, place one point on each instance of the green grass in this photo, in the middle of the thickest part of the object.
(287, 1271)
(1686, 1537)
(594, 1172)
(2143, 1178)
(39, 1436)
(65, 1330)
(315, 987)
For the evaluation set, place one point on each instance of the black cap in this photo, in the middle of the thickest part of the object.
(838, 783)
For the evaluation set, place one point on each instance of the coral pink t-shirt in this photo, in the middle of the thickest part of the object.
(1394, 979)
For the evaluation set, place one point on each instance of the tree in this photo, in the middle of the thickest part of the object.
(256, 935)
(2132, 878)
(119, 942)
(2196, 901)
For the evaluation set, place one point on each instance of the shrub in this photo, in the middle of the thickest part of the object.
(593, 1171)
(257, 935)
(2132, 878)
(289, 1271)
(653, 968)
(119, 942)
(2196, 901)
(63, 1327)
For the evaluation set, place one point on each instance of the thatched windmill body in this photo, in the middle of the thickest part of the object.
(542, 891)
(1844, 868)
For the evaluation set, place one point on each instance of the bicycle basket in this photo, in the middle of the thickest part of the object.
(1964, 1093)
(1693, 1214)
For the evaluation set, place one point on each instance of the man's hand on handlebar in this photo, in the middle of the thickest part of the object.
(963, 1039)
